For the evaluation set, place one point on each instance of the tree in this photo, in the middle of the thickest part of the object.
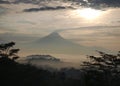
(8, 52)
(104, 69)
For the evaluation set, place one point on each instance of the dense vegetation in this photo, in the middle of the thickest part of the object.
(103, 70)
(16, 74)
(99, 71)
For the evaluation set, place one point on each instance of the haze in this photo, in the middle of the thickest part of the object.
(24, 27)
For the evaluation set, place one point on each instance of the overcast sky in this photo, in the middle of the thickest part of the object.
(43, 17)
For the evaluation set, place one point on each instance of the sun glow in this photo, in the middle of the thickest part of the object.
(89, 13)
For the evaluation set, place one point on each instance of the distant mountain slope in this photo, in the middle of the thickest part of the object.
(54, 43)
(54, 39)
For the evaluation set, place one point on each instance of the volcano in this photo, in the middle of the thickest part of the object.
(55, 43)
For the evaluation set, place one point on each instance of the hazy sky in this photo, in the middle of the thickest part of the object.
(101, 28)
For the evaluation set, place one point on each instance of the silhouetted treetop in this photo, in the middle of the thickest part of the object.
(103, 70)
(7, 51)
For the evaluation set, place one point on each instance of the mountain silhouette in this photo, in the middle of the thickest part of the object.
(55, 43)
(54, 39)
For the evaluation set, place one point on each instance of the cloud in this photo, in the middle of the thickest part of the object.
(96, 4)
(107, 2)
(118, 21)
(3, 29)
(47, 8)
(2, 10)
(17, 1)
(26, 22)
(103, 36)
(104, 3)
(17, 37)
(27, 1)
(4, 2)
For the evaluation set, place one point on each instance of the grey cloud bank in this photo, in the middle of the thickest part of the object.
(4, 2)
(88, 3)
(47, 8)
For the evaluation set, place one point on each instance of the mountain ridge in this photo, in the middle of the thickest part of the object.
(55, 43)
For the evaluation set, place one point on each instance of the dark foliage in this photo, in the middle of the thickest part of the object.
(103, 70)
(16, 74)
(7, 51)
(99, 71)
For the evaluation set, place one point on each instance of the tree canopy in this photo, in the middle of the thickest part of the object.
(7, 51)
(104, 68)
